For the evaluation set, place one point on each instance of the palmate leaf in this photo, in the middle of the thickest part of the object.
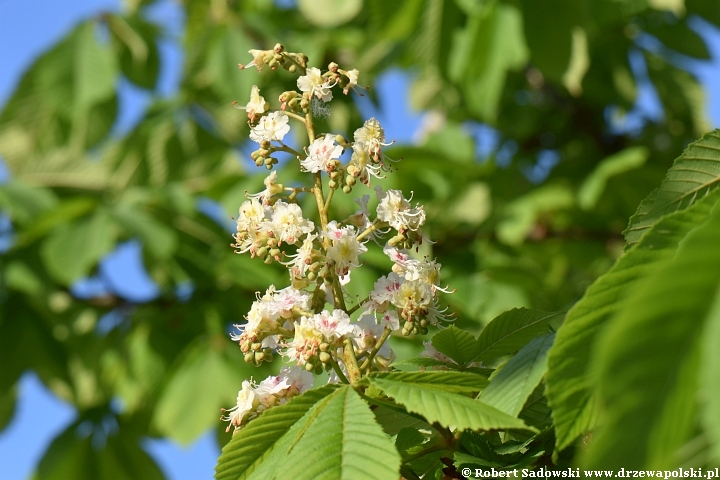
(569, 382)
(253, 442)
(510, 331)
(694, 173)
(514, 383)
(337, 438)
(457, 344)
(446, 380)
(446, 408)
(649, 356)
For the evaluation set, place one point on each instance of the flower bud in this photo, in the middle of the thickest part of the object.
(347, 189)
(249, 357)
(259, 161)
(350, 180)
(292, 68)
(332, 184)
(324, 347)
(309, 367)
(256, 346)
(259, 356)
(324, 357)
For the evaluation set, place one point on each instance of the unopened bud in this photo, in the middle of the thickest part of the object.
(292, 68)
(259, 161)
(350, 180)
(249, 357)
(309, 367)
(256, 346)
(324, 357)
(332, 184)
(259, 356)
(324, 347)
(347, 189)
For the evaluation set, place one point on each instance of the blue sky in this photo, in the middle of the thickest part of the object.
(27, 28)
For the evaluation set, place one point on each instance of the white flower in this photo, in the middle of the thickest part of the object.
(362, 165)
(352, 76)
(372, 136)
(246, 402)
(314, 84)
(302, 260)
(320, 154)
(384, 291)
(431, 352)
(335, 325)
(271, 188)
(257, 104)
(273, 126)
(257, 59)
(323, 327)
(288, 223)
(396, 211)
(345, 249)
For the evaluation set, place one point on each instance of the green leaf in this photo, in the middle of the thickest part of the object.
(510, 331)
(448, 409)
(8, 401)
(694, 174)
(448, 381)
(710, 377)
(336, 439)
(329, 13)
(94, 69)
(490, 45)
(72, 455)
(514, 383)
(71, 251)
(649, 355)
(24, 203)
(199, 387)
(570, 384)
(161, 241)
(134, 40)
(592, 188)
(421, 362)
(457, 344)
(252, 443)
(392, 420)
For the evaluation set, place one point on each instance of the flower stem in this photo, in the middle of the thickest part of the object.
(370, 229)
(385, 335)
(350, 361)
(339, 371)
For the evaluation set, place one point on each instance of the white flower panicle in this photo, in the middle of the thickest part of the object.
(309, 323)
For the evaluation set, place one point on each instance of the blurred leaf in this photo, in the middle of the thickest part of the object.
(649, 357)
(579, 63)
(135, 40)
(329, 13)
(491, 44)
(8, 402)
(551, 47)
(160, 240)
(24, 203)
(570, 383)
(207, 373)
(693, 175)
(511, 331)
(514, 383)
(680, 37)
(74, 249)
(522, 214)
(594, 185)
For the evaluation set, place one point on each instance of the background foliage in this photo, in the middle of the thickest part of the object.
(531, 225)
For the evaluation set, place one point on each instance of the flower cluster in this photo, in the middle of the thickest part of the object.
(314, 324)
(253, 399)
